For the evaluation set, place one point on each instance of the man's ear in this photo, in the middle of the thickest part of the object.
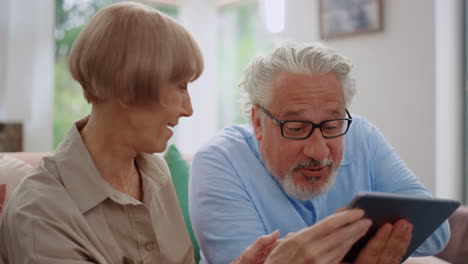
(257, 123)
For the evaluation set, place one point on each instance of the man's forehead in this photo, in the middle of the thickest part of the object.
(299, 111)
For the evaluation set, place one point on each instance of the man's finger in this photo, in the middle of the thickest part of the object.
(332, 223)
(260, 248)
(342, 209)
(373, 250)
(318, 243)
(334, 247)
(398, 243)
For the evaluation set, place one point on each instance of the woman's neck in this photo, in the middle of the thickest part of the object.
(112, 153)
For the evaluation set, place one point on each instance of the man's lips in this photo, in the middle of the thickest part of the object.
(314, 171)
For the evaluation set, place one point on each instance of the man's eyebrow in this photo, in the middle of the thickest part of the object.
(298, 113)
(335, 112)
(293, 113)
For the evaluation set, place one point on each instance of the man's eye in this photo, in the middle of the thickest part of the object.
(295, 129)
(330, 128)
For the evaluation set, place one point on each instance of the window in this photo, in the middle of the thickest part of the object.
(241, 37)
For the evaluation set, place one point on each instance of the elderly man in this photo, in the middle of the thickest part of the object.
(303, 157)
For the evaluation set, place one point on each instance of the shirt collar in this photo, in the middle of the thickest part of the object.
(79, 174)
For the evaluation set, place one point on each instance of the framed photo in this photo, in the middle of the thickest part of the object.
(339, 18)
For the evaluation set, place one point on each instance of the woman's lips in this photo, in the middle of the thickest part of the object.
(171, 133)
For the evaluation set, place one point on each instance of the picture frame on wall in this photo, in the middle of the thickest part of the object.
(342, 18)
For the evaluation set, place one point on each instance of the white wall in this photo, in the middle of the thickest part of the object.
(417, 108)
(449, 94)
(26, 65)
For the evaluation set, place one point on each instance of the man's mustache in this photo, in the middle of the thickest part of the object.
(312, 163)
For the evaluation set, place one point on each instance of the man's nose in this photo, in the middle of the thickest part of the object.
(316, 146)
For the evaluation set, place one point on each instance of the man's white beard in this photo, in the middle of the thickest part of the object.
(304, 193)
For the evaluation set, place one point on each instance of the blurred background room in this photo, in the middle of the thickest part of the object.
(409, 62)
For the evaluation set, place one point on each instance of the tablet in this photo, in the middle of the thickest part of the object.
(426, 214)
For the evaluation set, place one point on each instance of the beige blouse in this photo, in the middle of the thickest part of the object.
(65, 212)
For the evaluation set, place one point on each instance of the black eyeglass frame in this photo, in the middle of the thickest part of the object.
(319, 125)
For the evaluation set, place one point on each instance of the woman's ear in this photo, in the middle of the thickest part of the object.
(256, 122)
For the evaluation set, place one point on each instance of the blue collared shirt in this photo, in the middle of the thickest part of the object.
(234, 199)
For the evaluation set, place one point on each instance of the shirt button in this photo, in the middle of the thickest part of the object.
(149, 246)
(128, 260)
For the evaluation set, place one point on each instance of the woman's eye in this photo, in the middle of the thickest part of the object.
(183, 86)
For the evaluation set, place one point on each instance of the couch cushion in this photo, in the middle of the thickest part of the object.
(12, 171)
(180, 170)
(32, 158)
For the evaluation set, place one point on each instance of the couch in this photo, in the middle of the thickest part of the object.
(14, 166)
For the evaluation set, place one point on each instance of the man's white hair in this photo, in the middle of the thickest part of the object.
(295, 58)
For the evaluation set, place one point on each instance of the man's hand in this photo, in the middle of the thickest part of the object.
(259, 250)
(325, 242)
(389, 244)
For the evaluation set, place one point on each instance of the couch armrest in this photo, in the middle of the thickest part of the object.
(456, 251)
(32, 158)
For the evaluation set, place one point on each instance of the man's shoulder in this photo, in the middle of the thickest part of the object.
(361, 127)
(360, 121)
(234, 145)
(231, 137)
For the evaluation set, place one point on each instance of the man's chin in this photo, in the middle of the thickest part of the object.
(305, 187)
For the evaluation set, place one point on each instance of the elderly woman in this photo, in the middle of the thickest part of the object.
(102, 197)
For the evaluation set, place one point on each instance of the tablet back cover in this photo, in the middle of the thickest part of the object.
(426, 215)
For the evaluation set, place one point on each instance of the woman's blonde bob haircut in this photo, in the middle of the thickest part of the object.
(128, 51)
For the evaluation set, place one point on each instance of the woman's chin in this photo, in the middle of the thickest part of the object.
(160, 148)
(154, 147)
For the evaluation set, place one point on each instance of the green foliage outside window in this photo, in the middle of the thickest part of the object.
(69, 103)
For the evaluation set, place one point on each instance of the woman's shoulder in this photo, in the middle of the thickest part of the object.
(40, 194)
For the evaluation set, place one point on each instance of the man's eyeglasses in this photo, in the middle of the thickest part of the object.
(295, 129)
